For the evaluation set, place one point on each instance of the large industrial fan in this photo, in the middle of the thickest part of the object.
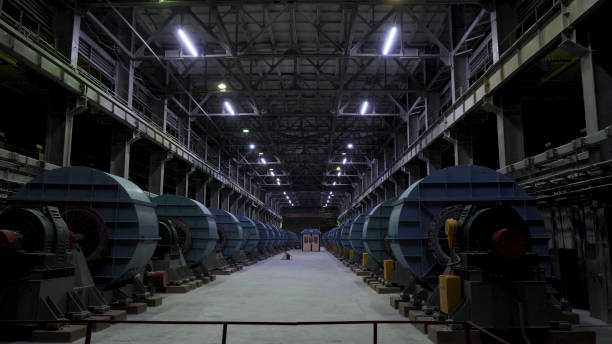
(470, 245)
(274, 238)
(43, 273)
(251, 235)
(355, 233)
(196, 230)
(345, 230)
(265, 238)
(373, 236)
(111, 219)
(168, 256)
(230, 231)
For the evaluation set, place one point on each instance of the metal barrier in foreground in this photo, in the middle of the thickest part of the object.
(468, 325)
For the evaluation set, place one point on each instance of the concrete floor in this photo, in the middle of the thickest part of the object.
(311, 287)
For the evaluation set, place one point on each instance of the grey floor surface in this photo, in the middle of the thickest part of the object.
(311, 287)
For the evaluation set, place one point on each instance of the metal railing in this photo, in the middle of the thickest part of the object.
(468, 326)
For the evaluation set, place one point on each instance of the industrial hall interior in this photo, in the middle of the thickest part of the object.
(306, 171)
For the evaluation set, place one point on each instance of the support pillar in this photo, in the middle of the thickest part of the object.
(462, 148)
(432, 158)
(432, 108)
(157, 164)
(596, 83)
(504, 19)
(510, 140)
(224, 199)
(67, 27)
(215, 191)
(182, 183)
(58, 139)
(201, 189)
(121, 143)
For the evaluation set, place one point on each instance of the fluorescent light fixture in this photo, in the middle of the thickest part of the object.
(338, 168)
(187, 42)
(278, 182)
(287, 196)
(252, 146)
(222, 86)
(229, 108)
(389, 41)
(344, 161)
(245, 130)
(272, 173)
(364, 107)
(339, 173)
(343, 153)
(263, 161)
(284, 192)
(331, 192)
(349, 146)
(334, 183)
(260, 153)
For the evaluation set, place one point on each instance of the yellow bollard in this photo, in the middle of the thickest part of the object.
(351, 254)
(364, 259)
(387, 268)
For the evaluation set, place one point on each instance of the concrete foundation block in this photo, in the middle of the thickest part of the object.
(381, 289)
(66, 334)
(136, 308)
(363, 273)
(415, 315)
(394, 301)
(153, 301)
(441, 334)
(178, 289)
(404, 307)
(222, 272)
(100, 326)
(117, 314)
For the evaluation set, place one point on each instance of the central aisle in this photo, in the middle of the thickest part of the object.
(313, 286)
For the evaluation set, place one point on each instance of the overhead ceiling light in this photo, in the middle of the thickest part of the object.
(339, 173)
(287, 196)
(364, 107)
(344, 161)
(245, 130)
(222, 86)
(331, 192)
(263, 161)
(187, 42)
(389, 41)
(284, 192)
(272, 173)
(334, 183)
(277, 182)
(338, 168)
(349, 146)
(260, 153)
(343, 153)
(229, 108)
(252, 146)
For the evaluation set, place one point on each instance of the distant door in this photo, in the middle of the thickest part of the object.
(315, 242)
(307, 242)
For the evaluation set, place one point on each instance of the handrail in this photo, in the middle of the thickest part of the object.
(468, 324)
